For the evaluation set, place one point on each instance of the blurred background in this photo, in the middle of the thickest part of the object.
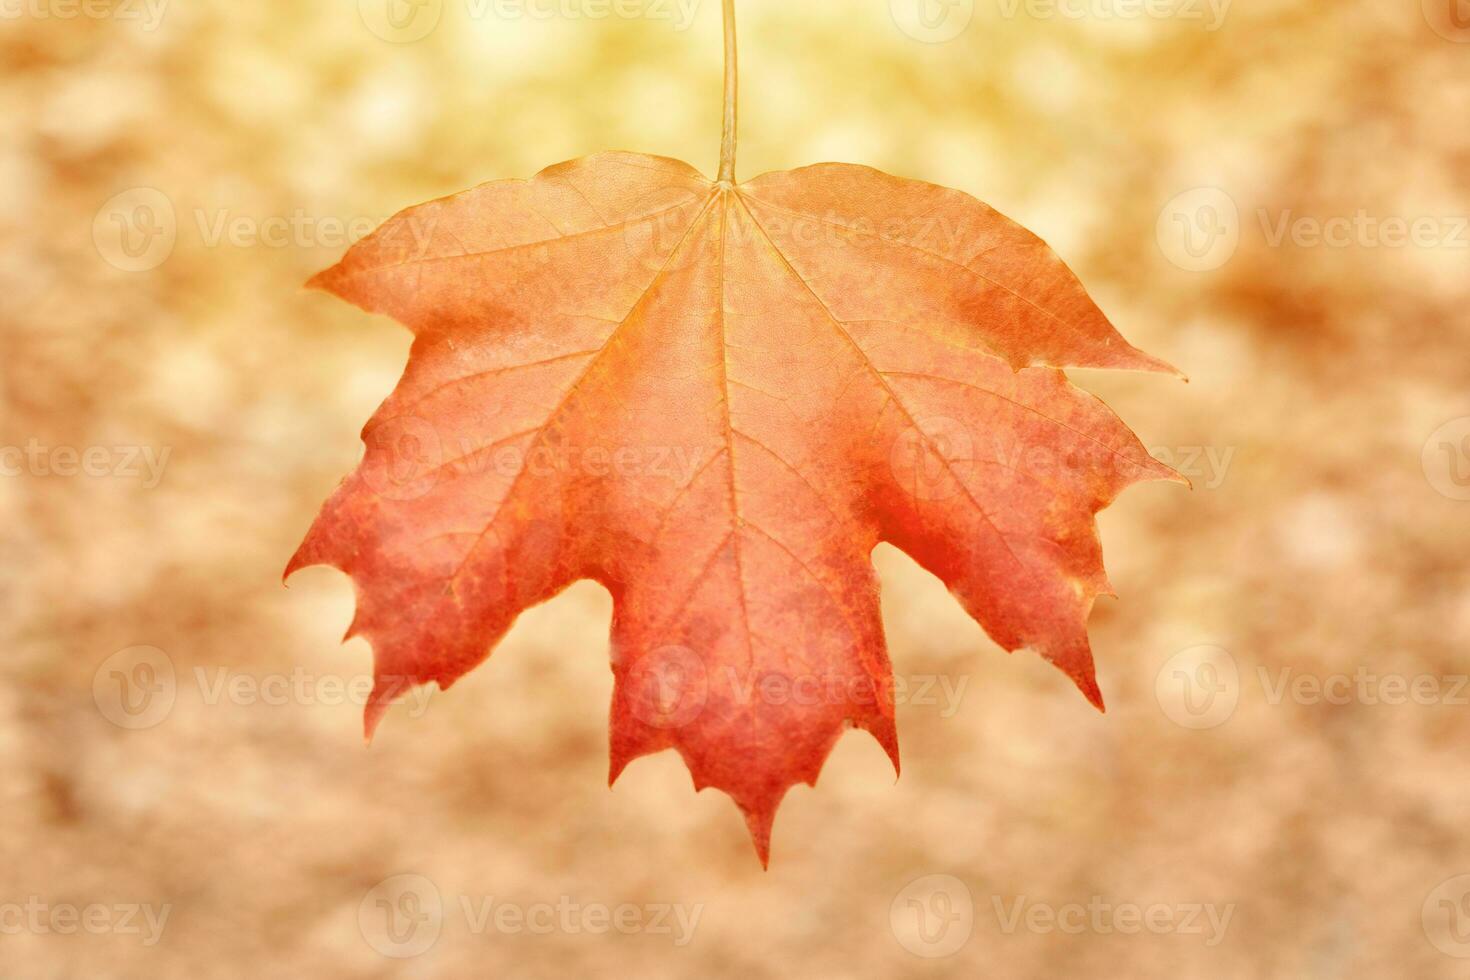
(1271, 196)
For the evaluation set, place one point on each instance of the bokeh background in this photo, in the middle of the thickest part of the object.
(1160, 149)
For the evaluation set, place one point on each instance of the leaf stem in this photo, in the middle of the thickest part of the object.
(732, 86)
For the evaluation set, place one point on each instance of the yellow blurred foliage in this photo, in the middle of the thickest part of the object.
(1272, 196)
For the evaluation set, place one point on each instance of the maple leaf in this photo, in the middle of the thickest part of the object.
(715, 399)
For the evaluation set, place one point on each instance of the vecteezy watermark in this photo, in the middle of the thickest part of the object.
(135, 688)
(933, 916)
(656, 232)
(1450, 19)
(937, 21)
(679, 14)
(1363, 230)
(301, 687)
(406, 21)
(940, 691)
(789, 230)
(1101, 916)
(1200, 687)
(1209, 13)
(401, 21)
(39, 917)
(1205, 466)
(403, 917)
(1446, 459)
(931, 458)
(1200, 230)
(407, 458)
(298, 229)
(147, 14)
(932, 21)
(138, 230)
(668, 688)
(1446, 917)
(660, 219)
(138, 687)
(1363, 686)
(143, 463)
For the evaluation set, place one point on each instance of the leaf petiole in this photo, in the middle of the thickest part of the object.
(732, 85)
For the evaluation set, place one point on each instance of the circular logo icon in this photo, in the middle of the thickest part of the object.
(401, 21)
(932, 21)
(933, 916)
(924, 458)
(1446, 917)
(136, 231)
(401, 916)
(135, 688)
(1447, 459)
(1199, 230)
(667, 688)
(1450, 19)
(1199, 687)
(658, 224)
(403, 458)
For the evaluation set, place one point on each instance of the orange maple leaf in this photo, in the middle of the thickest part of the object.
(715, 399)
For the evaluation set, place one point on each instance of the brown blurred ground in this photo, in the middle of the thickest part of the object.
(1331, 544)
